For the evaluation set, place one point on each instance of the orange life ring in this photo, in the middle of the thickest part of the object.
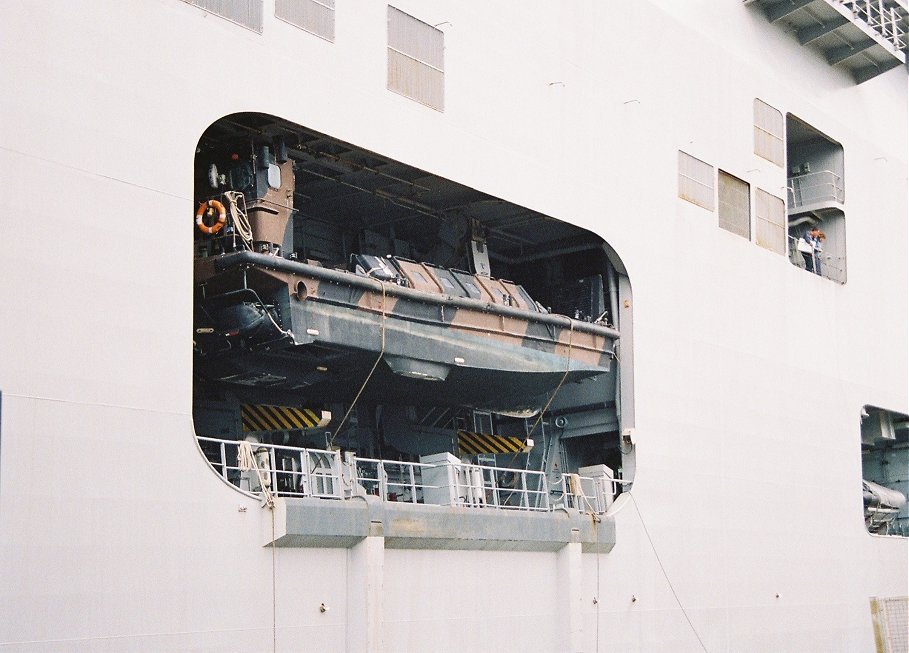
(219, 224)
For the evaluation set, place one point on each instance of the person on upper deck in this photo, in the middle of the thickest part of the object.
(813, 236)
(818, 249)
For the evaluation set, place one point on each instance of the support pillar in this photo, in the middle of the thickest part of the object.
(570, 593)
(365, 576)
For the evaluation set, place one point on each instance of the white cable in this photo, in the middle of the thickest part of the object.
(368, 376)
(239, 217)
(246, 461)
(665, 575)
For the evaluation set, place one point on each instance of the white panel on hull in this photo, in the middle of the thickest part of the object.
(579, 127)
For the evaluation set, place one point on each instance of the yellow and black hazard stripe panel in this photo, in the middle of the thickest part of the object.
(262, 417)
(470, 443)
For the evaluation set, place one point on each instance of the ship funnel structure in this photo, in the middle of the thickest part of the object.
(257, 188)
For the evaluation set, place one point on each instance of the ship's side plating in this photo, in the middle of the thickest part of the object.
(744, 530)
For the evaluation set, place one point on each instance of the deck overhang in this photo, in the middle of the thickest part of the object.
(865, 37)
(310, 522)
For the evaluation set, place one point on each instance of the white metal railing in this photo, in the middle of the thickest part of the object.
(885, 18)
(392, 480)
(503, 487)
(814, 187)
(832, 267)
(288, 471)
(593, 494)
(298, 472)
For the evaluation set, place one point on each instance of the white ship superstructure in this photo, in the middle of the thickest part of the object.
(446, 326)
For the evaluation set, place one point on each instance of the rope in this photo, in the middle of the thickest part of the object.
(246, 461)
(368, 376)
(274, 591)
(596, 540)
(558, 387)
(665, 575)
(239, 217)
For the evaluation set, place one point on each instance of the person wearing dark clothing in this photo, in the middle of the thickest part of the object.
(812, 251)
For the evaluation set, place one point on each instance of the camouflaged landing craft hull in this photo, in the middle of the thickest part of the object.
(435, 348)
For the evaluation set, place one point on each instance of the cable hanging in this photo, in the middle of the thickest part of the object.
(558, 387)
(247, 461)
(665, 575)
(350, 408)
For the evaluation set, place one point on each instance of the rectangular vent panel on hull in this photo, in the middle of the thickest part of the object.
(246, 13)
(315, 17)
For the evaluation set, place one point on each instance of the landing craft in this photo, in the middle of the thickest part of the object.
(317, 326)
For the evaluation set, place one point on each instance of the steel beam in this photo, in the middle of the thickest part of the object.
(808, 34)
(838, 55)
(869, 72)
(782, 9)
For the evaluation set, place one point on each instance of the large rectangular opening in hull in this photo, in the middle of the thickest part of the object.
(346, 301)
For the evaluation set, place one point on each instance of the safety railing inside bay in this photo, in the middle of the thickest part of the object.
(297, 472)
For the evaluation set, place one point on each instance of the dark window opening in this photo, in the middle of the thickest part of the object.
(815, 201)
(885, 470)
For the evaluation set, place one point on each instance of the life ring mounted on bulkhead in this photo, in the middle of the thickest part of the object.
(205, 208)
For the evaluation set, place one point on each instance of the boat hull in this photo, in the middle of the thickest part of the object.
(335, 329)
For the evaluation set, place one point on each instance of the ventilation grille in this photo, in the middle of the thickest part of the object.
(247, 13)
(734, 205)
(315, 17)
(890, 617)
(768, 133)
(770, 212)
(696, 181)
(416, 59)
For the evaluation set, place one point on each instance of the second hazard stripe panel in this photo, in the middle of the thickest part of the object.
(470, 443)
(261, 417)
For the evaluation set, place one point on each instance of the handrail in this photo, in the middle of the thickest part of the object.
(300, 472)
(887, 21)
(289, 471)
(833, 267)
(814, 187)
(579, 492)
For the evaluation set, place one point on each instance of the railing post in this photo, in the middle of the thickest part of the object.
(494, 486)
(304, 473)
(336, 476)
(274, 469)
(223, 461)
(383, 480)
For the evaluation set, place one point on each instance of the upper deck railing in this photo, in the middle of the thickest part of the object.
(864, 37)
(815, 188)
(297, 472)
(886, 18)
